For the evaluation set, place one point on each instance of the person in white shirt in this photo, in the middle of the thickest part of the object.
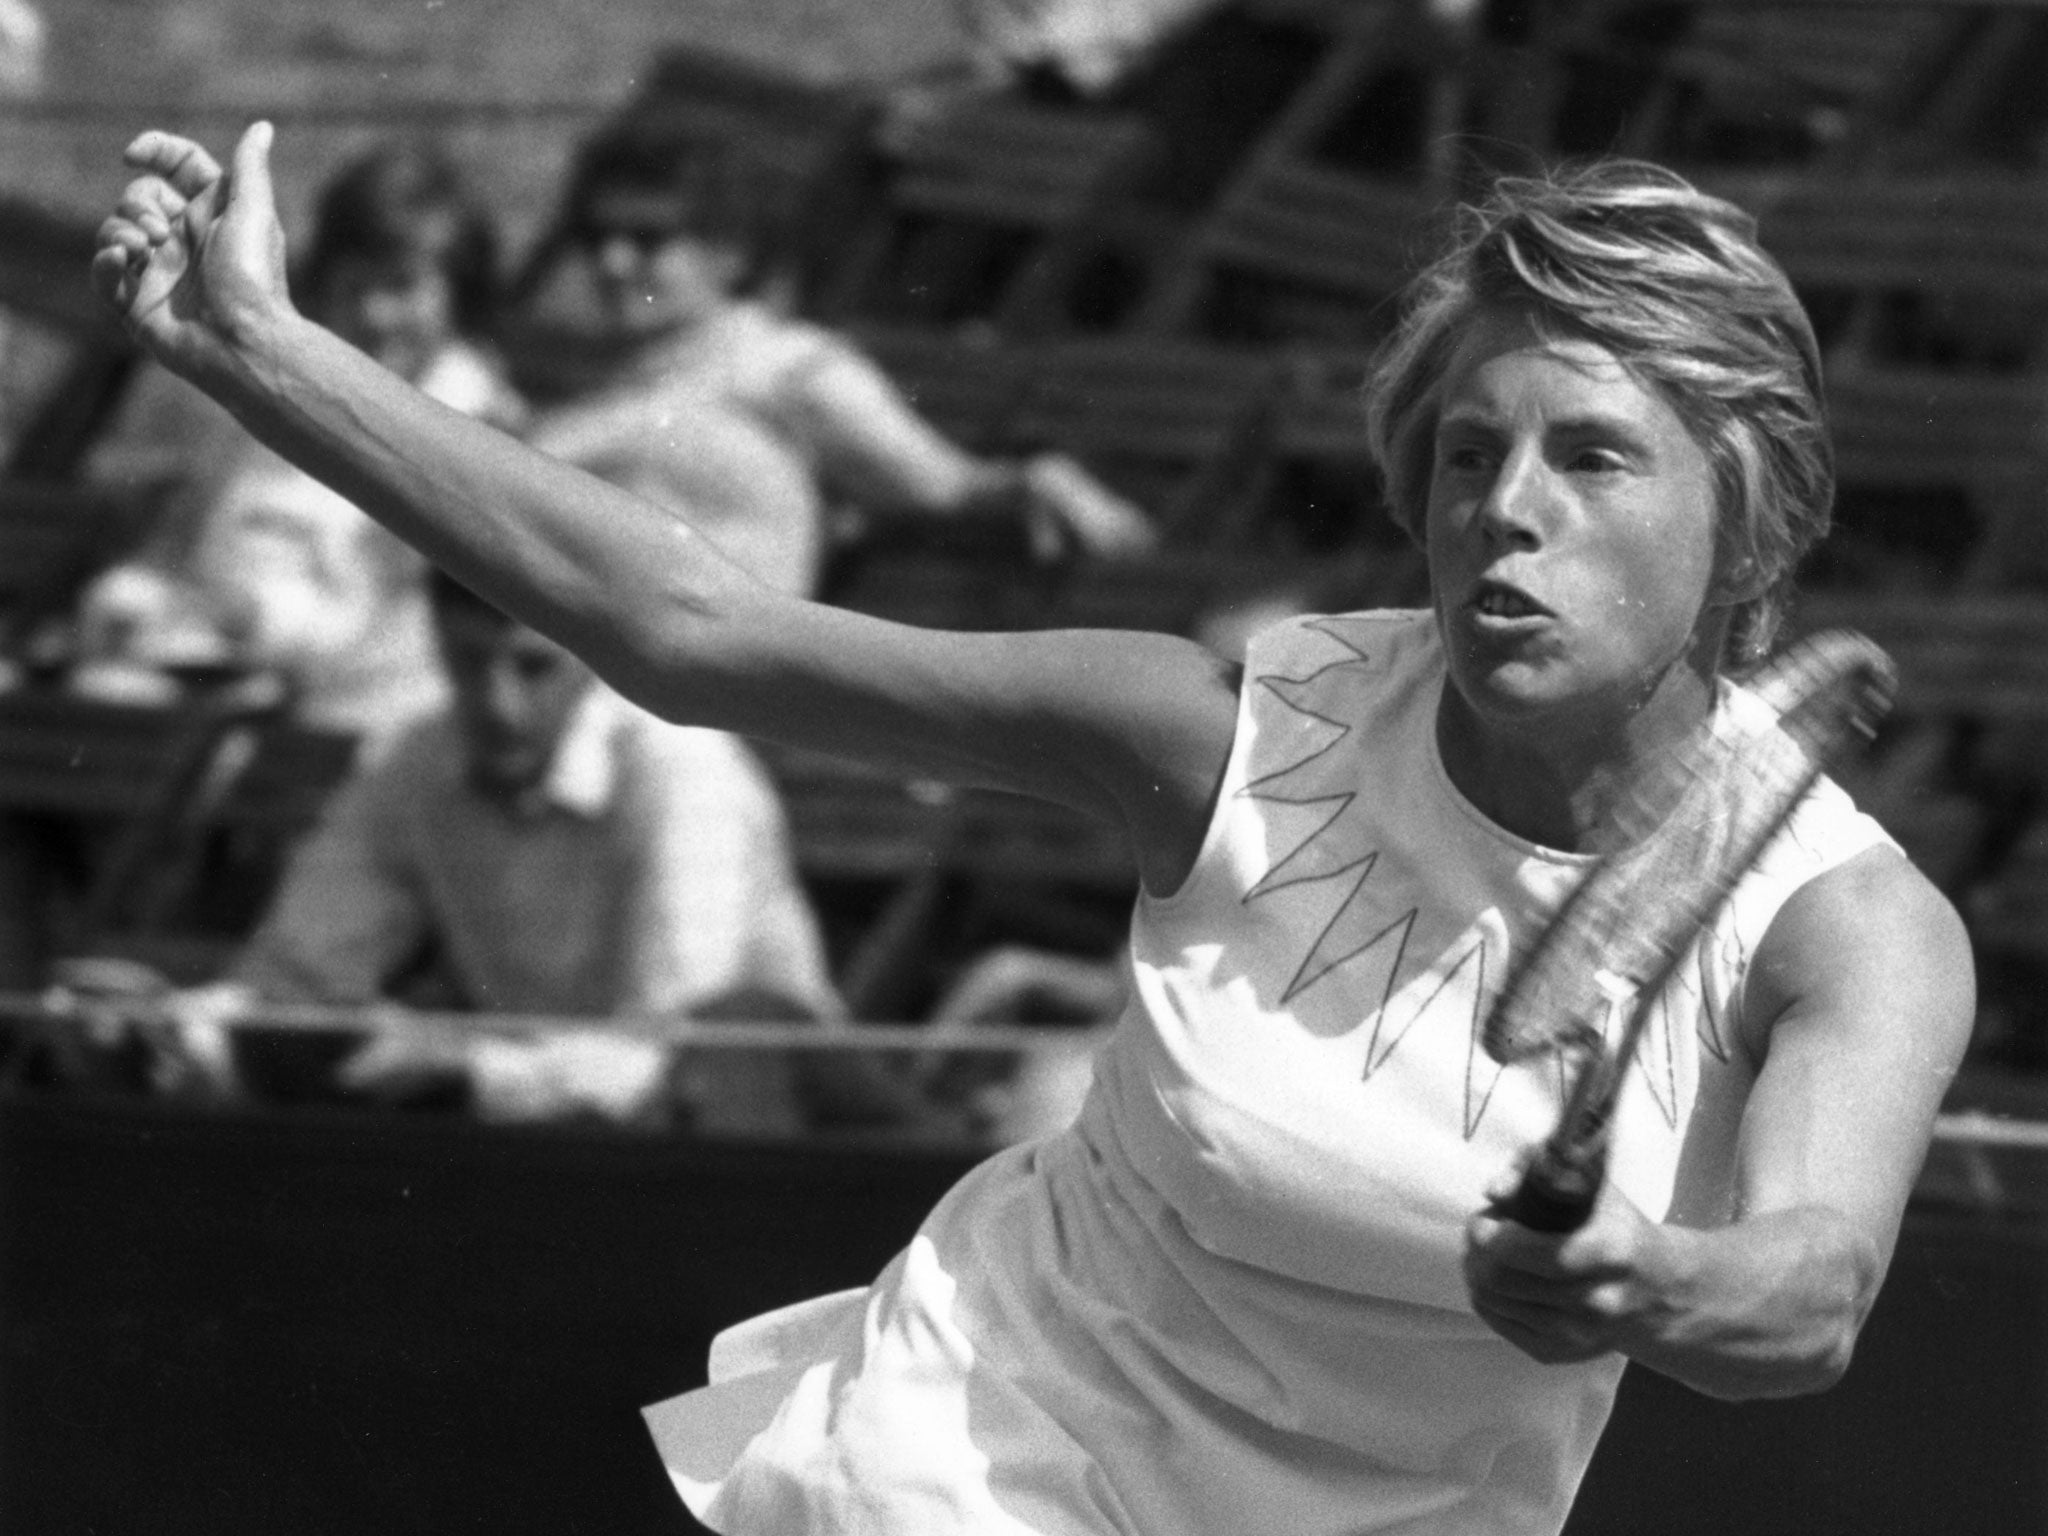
(1261, 1282)
(557, 852)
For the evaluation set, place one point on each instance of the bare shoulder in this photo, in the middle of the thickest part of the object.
(1867, 943)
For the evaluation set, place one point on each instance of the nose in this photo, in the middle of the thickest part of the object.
(1516, 507)
(617, 256)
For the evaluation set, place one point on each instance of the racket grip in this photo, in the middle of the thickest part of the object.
(1557, 1189)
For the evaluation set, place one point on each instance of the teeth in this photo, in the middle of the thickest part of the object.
(1503, 605)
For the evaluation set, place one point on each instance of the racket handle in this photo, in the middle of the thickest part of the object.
(1557, 1189)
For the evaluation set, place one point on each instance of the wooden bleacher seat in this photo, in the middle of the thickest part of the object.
(1170, 591)
(889, 858)
(1963, 444)
(968, 384)
(1175, 426)
(1967, 250)
(852, 820)
(1982, 654)
(1794, 81)
(988, 212)
(1970, 664)
(53, 539)
(1294, 251)
(1319, 494)
(67, 755)
(146, 785)
(287, 780)
(63, 362)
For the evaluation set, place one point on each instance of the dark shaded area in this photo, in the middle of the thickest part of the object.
(327, 1322)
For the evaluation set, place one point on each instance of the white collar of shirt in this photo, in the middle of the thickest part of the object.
(584, 773)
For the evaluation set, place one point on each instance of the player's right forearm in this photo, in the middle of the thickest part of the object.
(610, 576)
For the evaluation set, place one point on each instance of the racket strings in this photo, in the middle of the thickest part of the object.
(1680, 839)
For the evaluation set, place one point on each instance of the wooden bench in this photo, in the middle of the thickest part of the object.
(1176, 426)
(1943, 268)
(1979, 654)
(1295, 251)
(145, 785)
(987, 212)
(53, 539)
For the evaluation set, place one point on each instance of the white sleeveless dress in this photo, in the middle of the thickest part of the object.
(1229, 1298)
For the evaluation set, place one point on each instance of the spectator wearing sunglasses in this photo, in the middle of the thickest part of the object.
(654, 293)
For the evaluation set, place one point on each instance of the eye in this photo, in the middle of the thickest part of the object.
(1463, 458)
(1595, 460)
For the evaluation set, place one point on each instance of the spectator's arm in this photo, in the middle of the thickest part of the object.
(872, 446)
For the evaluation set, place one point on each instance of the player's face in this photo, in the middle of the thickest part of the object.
(400, 310)
(1571, 535)
(515, 692)
(647, 274)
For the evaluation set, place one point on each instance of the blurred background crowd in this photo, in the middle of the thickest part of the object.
(976, 313)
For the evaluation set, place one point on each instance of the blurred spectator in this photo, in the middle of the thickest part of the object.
(657, 266)
(556, 851)
(252, 563)
(1055, 51)
(404, 264)
(283, 576)
(1085, 46)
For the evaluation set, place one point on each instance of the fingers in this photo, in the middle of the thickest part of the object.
(145, 217)
(1549, 1335)
(182, 162)
(1545, 1257)
(182, 173)
(145, 220)
(152, 205)
(111, 272)
(1550, 1317)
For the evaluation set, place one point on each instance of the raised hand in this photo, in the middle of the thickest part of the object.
(193, 255)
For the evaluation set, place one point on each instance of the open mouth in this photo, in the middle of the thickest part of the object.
(1496, 600)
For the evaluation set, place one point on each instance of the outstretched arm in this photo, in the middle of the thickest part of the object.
(1129, 728)
(1860, 998)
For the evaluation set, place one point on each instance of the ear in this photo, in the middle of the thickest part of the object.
(1741, 579)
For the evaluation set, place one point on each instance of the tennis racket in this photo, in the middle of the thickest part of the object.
(1672, 849)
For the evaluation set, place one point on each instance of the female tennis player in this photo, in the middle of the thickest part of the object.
(1255, 1286)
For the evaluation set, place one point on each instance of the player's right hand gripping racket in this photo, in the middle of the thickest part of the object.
(1673, 848)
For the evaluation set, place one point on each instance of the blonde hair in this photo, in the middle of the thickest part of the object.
(1673, 283)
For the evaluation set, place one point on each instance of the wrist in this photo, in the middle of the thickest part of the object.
(1767, 1307)
(258, 345)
